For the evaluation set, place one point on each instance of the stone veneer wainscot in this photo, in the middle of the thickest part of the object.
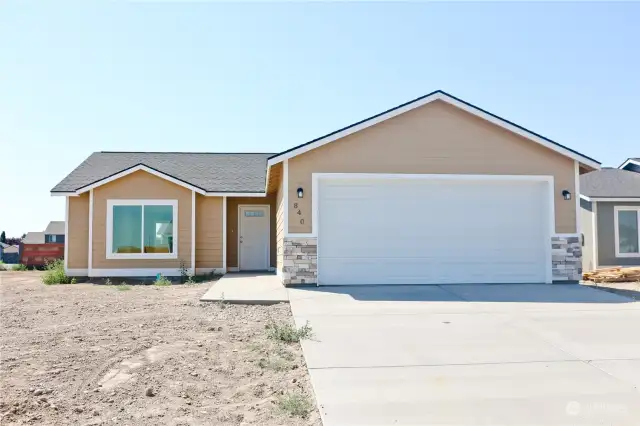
(566, 258)
(300, 262)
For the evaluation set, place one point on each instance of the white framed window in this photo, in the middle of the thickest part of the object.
(53, 238)
(142, 229)
(627, 231)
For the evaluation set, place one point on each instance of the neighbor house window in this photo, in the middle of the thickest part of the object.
(142, 229)
(627, 227)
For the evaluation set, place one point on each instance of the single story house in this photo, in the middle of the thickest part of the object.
(435, 190)
(610, 209)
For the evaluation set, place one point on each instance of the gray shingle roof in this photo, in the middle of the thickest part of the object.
(610, 182)
(34, 238)
(55, 227)
(211, 172)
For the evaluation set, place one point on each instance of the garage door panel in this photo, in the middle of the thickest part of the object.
(420, 232)
(405, 271)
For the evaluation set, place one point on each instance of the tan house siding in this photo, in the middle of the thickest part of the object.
(280, 226)
(208, 232)
(140, 185)
(232, 226)
(78, 239)
(436, 138)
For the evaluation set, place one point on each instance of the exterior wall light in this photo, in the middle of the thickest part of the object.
(300, 193)
(566, 194)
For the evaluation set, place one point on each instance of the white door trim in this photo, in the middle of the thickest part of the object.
(549, 180)
(268, 251)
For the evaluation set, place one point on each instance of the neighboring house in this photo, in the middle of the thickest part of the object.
(631, 164)
(54, 232)
(433, 191)
(610, 206)
(9, 253)
(38, 248)
(33, 238)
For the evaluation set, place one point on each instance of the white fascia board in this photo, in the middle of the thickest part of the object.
(614, 199)
(63, 194)
(139, 168)
(445, 98)
(629, 161)
(236, 194)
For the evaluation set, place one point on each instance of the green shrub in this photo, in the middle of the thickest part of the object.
(288, 333)
(295, 404)
(54, 273)
(123, 287)
(20, 267)
(162, 281)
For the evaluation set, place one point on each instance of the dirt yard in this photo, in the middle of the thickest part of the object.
(92, 354)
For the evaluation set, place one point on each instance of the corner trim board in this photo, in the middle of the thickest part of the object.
(224, 232)
(576, 190)
(66, 234)
(594, 224)
(193, 232)
(90, 245)
(285, 190)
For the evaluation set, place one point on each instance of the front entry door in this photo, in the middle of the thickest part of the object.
(253, 238)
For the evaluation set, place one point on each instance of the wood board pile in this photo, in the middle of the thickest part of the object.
(616, 274)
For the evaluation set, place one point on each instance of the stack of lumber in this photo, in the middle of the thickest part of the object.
(616, 274)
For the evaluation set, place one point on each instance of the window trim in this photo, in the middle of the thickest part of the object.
(617, 209)
(109, 239)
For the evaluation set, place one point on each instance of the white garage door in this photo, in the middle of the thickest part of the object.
(425, 231)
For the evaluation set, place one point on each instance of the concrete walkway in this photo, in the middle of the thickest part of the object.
(247, 288)
(472, 354)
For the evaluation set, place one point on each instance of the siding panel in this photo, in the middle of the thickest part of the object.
(78, 241)
(435, 138)
(208, 232)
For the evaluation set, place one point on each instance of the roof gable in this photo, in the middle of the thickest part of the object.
(631, 164)
(431, 97)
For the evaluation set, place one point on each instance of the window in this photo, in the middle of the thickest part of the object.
(254, 213)
(627, 237)
(142, 229)
(53, 238)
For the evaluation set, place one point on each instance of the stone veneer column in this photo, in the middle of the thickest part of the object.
(566, 252)
(300, 262)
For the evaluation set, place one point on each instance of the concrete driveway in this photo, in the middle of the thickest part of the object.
(472, 354)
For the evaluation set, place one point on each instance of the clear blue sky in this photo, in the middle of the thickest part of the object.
(214, 77)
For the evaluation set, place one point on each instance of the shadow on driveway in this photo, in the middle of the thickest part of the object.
(532, 293)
